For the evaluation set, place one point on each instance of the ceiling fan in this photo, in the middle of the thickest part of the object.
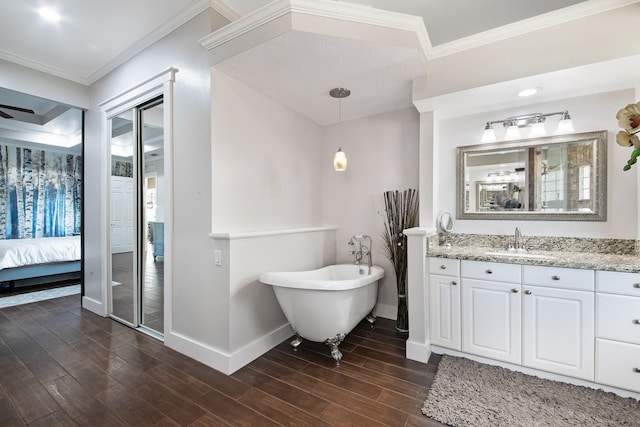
(9, 107)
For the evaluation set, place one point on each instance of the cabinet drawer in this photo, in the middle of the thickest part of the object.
(491, 271)
(618, 318)
(618, 364)
(557, 277)
(614, 282)
(444, 266)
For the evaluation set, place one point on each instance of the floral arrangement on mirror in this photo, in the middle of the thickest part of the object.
(629, 120)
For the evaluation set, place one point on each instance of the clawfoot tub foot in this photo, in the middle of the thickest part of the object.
(371, 318)
(295, 343)
(333, 344)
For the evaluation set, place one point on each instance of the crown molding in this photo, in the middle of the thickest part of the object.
(561, 16)
(318, 8)
(39, 66)
(175, 22)
(224, 9)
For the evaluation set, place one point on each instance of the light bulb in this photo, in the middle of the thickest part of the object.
(513, 132)
(340, 161)
(537, 129)
(488, 135)
(565, 125)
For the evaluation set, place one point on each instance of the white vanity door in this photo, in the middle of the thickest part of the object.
(558, 331)
(491, 320)
(444, 311)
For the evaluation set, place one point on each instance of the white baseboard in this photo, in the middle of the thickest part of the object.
(418, 351)
(257, 348)
(221, 360)
(210, 356)
(387, 311)
(94, 306)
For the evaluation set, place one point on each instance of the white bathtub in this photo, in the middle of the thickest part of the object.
(324, 305)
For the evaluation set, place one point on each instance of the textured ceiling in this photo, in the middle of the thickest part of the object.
(298, 69)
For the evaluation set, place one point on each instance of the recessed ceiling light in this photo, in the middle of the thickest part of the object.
(529, 91)
(49, 14)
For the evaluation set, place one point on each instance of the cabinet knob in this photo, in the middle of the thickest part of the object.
(636, 370)
(636, 321)
(443, 267)
(555, 277)
(528, 292)
(636, 285)
(454, 283)
(514, 290)
(488, 271)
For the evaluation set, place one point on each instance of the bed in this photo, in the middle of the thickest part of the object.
(34, 261)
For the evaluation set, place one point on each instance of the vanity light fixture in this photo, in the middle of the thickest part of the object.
(565, 125)
(537, 128)
(513, 131)
(489, 135)
(340, 158)
(535, 120)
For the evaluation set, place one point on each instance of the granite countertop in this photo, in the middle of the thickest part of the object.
(581, 260)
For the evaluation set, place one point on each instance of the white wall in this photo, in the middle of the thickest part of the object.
(382, 154)
(589, 113)
(266, 178)
(266, 173)
(199, 306)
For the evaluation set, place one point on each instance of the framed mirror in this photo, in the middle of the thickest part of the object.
(550, 178)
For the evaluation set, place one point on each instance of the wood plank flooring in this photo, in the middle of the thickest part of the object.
(61, 365)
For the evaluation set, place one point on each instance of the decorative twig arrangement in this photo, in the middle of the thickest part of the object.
(402, 213)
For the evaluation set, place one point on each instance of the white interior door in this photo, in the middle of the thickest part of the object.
(122, 214)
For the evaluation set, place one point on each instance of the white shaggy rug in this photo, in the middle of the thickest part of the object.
(467, 393)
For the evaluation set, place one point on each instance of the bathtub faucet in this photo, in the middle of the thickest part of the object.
(359, 250)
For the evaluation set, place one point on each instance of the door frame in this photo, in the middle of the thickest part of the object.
(159, 85)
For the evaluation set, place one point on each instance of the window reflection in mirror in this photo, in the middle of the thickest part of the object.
(551, 178)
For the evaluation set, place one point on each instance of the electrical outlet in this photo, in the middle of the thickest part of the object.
(217, 256)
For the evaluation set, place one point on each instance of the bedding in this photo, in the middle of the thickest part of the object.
(25, 252)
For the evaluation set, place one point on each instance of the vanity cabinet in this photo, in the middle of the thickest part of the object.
(444, 302)
(534, 316)
(618, 329)
(558, 322)
(491, 314)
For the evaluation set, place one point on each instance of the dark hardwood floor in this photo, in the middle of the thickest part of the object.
(61, 365)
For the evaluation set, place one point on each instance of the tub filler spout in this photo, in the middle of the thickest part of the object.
(324, 305)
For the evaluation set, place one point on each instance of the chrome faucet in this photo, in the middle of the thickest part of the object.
(517, 241)
(360, 250)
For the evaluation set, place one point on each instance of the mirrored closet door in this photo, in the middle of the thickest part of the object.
(137, 212)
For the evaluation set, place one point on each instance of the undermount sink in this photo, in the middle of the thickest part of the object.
(514, 254)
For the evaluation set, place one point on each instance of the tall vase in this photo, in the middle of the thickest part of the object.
(402, 319)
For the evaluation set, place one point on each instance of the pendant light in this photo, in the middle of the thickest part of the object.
(340, 158)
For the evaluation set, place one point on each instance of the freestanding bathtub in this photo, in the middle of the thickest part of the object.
(324, 305)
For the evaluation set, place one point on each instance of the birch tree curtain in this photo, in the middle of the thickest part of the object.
(40, 193)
